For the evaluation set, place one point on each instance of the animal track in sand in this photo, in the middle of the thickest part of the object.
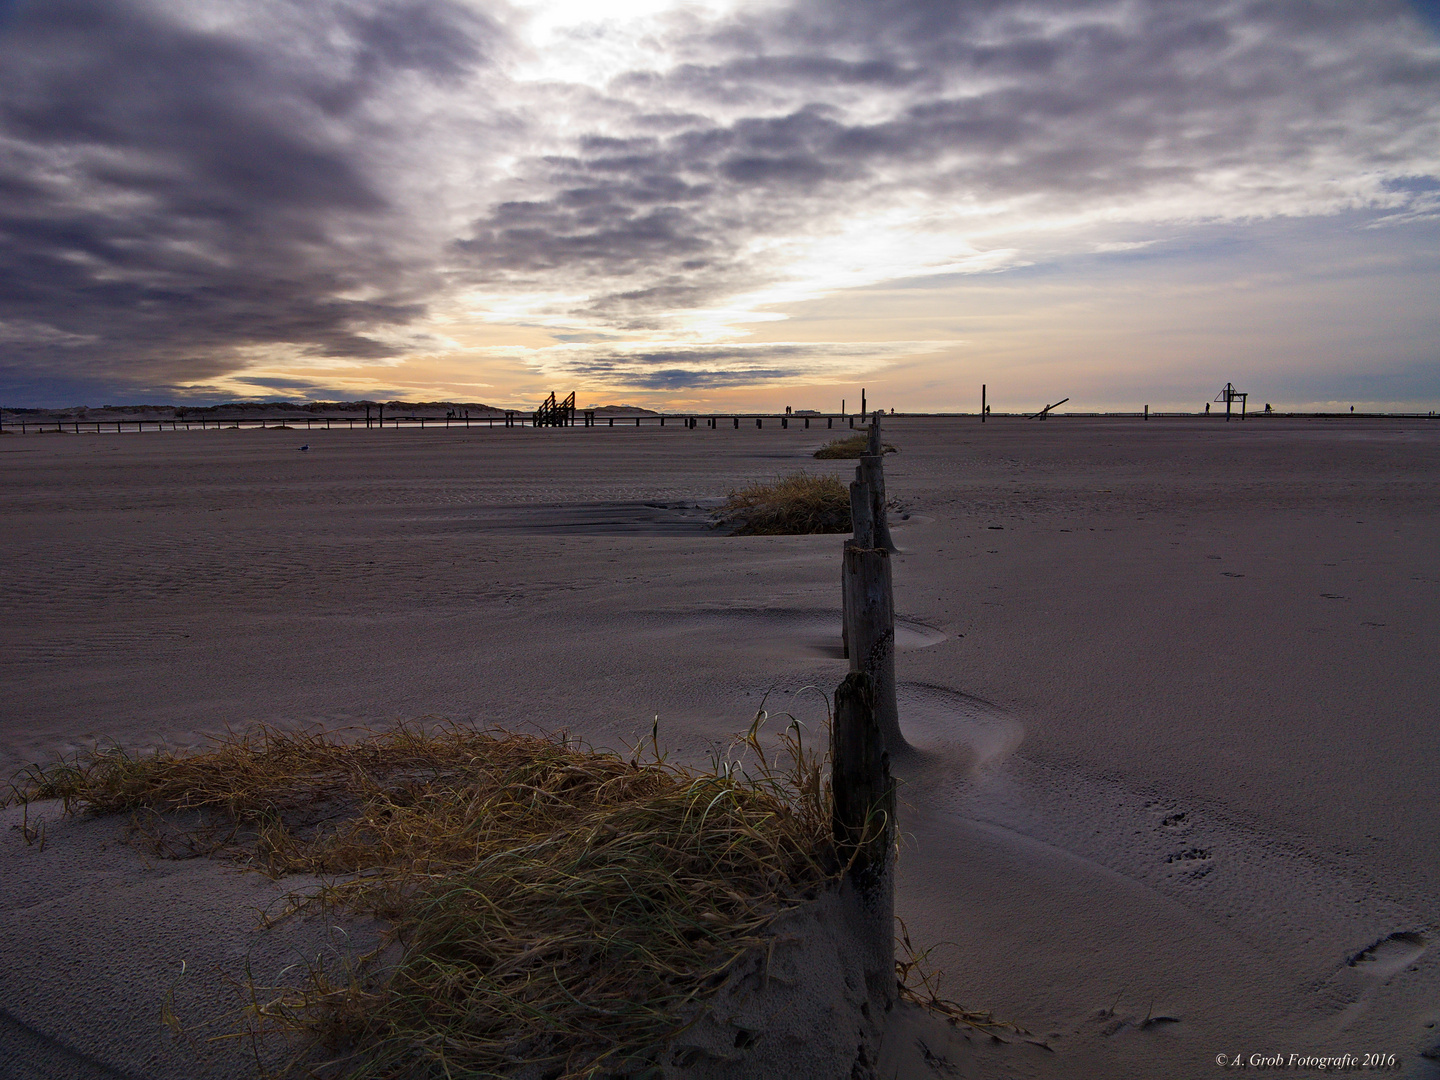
(1266, 889)
(1188, 855)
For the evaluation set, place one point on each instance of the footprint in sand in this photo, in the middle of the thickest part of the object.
(1370, 969)
(1390, 955)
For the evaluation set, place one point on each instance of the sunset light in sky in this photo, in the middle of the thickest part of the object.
(721, 205)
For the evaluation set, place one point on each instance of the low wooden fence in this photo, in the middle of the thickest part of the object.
(327, 423)
(519, 419)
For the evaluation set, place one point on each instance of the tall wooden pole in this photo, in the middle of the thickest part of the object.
(982, 403)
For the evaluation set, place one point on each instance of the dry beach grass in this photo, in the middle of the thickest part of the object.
(848, 448)
(553, 910)
(559, 910)
(796, 504)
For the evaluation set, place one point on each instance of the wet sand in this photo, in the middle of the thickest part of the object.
(1171, 686)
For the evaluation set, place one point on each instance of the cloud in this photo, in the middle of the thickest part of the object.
(174, 191)
(1113, 247)
(977, 125)
(660, 366)
(188, 190)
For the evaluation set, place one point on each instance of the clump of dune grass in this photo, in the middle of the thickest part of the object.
(557, 909)
(851, 447)
(792, 505)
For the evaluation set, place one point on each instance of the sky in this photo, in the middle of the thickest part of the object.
(742, 204)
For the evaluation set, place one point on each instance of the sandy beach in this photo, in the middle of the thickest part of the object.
(1171, 688)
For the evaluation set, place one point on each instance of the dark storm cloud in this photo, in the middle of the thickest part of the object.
(170, 194)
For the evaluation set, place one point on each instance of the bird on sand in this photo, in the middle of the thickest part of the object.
(305, 447)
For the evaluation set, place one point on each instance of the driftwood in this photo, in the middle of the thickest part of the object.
(1044, 414)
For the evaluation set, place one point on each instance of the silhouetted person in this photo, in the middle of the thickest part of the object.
(1207, 408)
(1267, 408)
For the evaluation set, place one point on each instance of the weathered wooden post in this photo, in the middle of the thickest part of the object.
(864, 528)
(861, 519)
(871, 473)
(870, 631)
(867, 633)
(863, 823)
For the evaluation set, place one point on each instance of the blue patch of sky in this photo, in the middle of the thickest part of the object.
(1313, 248)
(1414, 183)
(1429, 11)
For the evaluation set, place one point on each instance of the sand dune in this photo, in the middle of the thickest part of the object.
(1171, 688)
